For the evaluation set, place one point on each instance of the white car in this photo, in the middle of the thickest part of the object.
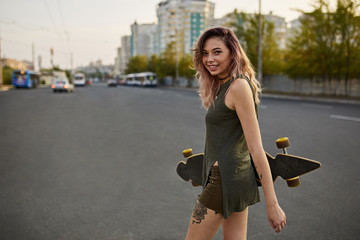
(62, 85)
(111, 83)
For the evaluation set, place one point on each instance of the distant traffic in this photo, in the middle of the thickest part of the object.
(60, 81)
(79, 79)
(25, 79)
(143, 79)
(62, 85)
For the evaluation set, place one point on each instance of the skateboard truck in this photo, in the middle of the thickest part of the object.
(283, 143)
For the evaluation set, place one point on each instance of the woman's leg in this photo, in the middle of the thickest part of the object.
(204, 223)
(235, 226)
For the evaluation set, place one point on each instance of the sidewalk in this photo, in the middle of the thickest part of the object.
(5, 88)
(290, 97)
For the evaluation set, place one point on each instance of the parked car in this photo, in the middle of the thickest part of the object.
(62, 85)
(111, 83)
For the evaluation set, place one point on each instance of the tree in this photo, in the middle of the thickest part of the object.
(186, 69)
(246, 29)
(167, 63)
(152, 63)
(273, 57)
(137, 64)
(7, 75)
(69, 76)
(326, 46)
(301, 50)
(347, 24)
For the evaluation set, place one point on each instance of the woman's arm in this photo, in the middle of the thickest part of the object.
(240, 99)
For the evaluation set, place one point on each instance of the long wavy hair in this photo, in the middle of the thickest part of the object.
(239, 65)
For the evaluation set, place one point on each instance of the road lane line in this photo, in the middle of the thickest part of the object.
(317, 106)
(345, 118)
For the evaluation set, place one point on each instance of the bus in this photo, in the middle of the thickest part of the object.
(146, 79)
(130, 79)
(79, 79)
(143, 79)
(25, 79)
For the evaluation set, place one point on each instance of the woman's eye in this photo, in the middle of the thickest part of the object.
(204, 53)
(217, 52)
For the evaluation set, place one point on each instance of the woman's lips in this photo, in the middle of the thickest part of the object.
(212, 67)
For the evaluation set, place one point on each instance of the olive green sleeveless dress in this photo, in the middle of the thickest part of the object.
(225, 142)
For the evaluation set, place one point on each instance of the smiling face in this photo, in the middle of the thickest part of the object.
(216, 57)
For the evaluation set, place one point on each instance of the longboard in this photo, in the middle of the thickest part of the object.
(288, 167)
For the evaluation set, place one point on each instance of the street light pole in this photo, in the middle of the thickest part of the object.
(177, 49)
(259, 70)
(176, 60)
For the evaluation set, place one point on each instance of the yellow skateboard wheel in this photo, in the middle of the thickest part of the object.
(293, 182)
(282, 142)
(187, 152)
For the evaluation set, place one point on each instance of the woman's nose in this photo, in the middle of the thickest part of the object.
(210, 58)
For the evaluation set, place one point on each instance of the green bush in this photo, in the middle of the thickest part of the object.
(6, 75)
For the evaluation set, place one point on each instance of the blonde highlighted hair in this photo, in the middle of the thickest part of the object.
(239, 65)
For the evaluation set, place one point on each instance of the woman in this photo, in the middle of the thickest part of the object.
(229, 92)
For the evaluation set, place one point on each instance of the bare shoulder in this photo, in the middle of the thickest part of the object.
(239, 93)
(240, 87)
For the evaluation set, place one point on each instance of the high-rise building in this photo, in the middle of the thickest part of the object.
(125, 53)
(117, 62)
(142, 39)
(182, 22)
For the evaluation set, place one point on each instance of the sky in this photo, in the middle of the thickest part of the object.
(83, 31)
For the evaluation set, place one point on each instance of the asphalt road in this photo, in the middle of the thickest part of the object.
(100, 164)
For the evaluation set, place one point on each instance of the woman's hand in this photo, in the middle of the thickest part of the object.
(276, 216)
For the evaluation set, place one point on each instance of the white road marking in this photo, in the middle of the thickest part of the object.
(317, 106)
(345, 118)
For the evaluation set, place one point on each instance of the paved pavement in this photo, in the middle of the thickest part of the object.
(264, 95)
(100, 164)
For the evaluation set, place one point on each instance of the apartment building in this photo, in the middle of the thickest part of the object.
(117, 63)
(125, 53)
(182, 22)
(143, 40)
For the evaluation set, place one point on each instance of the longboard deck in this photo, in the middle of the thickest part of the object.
(191, 169)
(283, 165)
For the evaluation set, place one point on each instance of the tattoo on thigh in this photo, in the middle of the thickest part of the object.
(199, 213)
